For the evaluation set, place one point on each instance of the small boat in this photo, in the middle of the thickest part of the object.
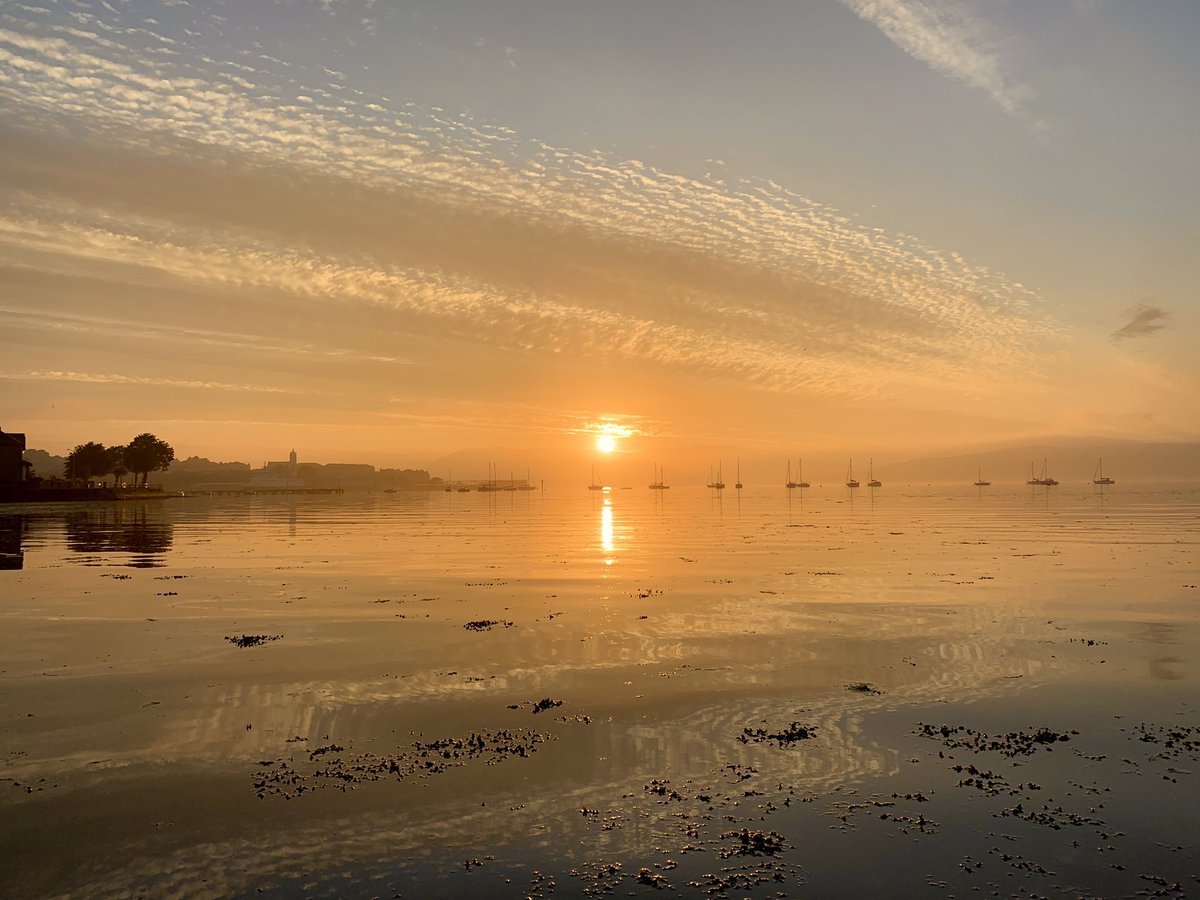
(800, 473)
(738, 484)
(1043, 480)
(716, 484)
(851, 482)
(872, 481)
(979, 482)
(490, 485)
(789, 484)
(1046, 479)
(1098, 477)
(526, 486)
(449, 486)
(594, 486)
(659, 483)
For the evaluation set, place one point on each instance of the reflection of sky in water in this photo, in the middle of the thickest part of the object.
(712, 623)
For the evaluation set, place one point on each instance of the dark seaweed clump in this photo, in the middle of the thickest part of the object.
(486, 625)
(753, 843)
(1015, 743)
(790, 735)
(251, 640)
(863, 687)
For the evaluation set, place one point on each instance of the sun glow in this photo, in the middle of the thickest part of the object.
(606, 443)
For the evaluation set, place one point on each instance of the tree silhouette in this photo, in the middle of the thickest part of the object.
(88, 461)
(146, 454)
(116, 463)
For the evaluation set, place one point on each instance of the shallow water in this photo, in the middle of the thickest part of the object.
(144, 753)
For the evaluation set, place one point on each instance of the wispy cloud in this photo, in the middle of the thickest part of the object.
(951, 37)
(114, 378)
(1144, 320)
(493, 239)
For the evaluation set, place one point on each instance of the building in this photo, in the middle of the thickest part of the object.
(278, 474)
(14, 469)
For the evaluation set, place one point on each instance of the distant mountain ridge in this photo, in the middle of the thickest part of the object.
(1070, 461)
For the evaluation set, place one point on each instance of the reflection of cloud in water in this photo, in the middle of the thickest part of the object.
(800, 654)
(615, 761)
(1163, 668)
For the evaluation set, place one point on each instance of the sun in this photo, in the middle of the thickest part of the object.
(606, 443)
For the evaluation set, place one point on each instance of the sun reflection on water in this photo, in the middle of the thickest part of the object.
(606, 530)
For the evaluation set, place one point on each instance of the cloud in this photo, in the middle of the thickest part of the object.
(469, 232)
(111, 378)
(1144, 321)
(952, 39)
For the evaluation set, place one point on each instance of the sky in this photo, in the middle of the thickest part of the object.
(391, 232)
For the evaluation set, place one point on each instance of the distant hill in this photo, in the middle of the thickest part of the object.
(1070, 461)
(45, 465)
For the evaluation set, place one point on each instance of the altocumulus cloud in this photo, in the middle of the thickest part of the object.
(738, 275)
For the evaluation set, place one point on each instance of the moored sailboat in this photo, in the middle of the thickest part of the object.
(872, 481)
(1043, 480)
(1047, 480)
(594, 486)
(1098, 477)
(716, 484)
(979, 482)
(851, 481)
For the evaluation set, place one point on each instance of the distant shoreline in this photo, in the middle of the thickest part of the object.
(81, 495)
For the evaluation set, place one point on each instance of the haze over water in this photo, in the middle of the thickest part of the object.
(148, 754)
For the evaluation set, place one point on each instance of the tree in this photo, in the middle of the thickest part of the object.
(116, 463)
(87, 461)
(146, 454)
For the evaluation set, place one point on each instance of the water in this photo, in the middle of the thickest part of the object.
(145, 753)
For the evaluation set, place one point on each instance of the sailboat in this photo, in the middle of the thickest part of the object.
(738, 484)
(850, 481)
(526, 486)
(449, 487)
(789, 484)
(594, 486)
(979, 482)
(717, 484)
(659, 483)
(1033, 479)
(1098, 477)
(490, 485)
(800, 473)
(1044, 479)
(872, 481)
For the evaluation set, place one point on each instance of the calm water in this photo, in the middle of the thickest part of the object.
(574, 693)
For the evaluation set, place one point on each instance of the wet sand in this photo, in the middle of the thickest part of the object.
(923, 692)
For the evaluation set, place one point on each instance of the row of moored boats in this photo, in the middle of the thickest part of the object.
(718, 483)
